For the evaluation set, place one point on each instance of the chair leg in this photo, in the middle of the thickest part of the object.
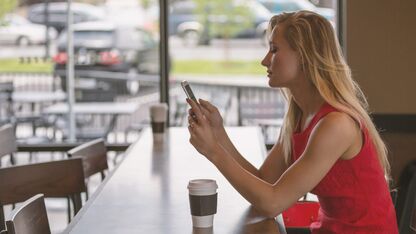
(77, 202)
(2, 221)
(12, 160)
(68, 209)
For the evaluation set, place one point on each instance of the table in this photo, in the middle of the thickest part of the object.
(112, 109)
(115, 108)
(147, 192)
(37, 96)
(33, 98)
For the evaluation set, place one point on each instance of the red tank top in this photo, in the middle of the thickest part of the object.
(354, 196)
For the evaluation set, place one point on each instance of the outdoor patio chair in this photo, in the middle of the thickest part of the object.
(6, 102)
(8, 145)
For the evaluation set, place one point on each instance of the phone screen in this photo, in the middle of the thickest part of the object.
(187, 88)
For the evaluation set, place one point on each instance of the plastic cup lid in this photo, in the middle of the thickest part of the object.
(159, 106)
(202, 184)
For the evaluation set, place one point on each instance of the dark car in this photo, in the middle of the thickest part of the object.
(185, 22)
(280, 6)
(110, 57)
(57, 11)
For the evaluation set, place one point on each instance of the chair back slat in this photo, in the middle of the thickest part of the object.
(94, 155)
(30, 217)
(63, 178)
(7, 140)
(53, 179)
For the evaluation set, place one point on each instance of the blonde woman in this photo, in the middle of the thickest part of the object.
(328, 145)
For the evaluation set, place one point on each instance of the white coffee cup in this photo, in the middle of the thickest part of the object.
(203, 202)
(158, 117)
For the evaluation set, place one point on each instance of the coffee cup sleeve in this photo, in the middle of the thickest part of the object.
(203, 205)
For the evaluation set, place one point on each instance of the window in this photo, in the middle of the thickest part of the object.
(221, 61)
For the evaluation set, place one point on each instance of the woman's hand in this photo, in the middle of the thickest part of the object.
(213, 116)
(202, 133)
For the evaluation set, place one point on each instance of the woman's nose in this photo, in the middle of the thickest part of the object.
(265, 61)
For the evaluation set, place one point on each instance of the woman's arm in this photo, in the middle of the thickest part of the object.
(271, 169)
(330, 139)
(226, 142)
(274, 165)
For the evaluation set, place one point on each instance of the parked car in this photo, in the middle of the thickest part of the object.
(57, 11)
(108, 56)
(184, 21)
(280, 6)
(15, 29)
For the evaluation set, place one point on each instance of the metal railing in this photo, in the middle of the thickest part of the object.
(240, 104)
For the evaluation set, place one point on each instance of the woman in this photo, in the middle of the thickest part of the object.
(328, 144)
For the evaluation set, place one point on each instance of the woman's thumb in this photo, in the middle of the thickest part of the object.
(205, 103)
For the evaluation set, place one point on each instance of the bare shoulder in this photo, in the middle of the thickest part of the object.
(339, 122)
(333, 135)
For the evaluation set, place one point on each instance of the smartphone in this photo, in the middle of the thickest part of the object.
(187, 88)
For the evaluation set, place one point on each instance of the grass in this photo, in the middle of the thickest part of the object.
(218, 67)
(179, 67)
(16, 65)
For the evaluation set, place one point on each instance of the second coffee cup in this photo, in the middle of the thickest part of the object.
(158, 116)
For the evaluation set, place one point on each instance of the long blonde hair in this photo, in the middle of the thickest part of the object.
(313, 37)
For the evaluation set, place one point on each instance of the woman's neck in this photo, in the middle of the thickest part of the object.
(307, 98)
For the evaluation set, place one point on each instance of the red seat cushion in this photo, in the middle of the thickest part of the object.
(301, 214)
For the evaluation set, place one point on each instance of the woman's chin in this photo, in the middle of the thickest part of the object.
(273, 83)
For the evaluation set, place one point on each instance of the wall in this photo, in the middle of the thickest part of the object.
(380, 48)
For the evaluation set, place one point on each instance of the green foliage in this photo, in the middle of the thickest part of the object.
(209, 67)
(147, 3)
(15, 65)
(224, 18)
(7, 6)
(202, 67)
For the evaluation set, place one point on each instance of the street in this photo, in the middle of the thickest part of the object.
(238, 49)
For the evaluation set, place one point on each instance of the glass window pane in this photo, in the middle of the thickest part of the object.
(218, 49)
(116, 62)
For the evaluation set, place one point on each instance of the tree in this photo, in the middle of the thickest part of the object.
(147, 3)
(223, 18)
(7, 6)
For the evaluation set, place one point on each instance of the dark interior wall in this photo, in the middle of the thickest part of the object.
(381, 48)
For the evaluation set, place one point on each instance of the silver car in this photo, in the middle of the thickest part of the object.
(15, 29)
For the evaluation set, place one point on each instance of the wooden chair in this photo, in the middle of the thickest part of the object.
(8, 144)
(63, 178)
(406, 198)
(94, 157)
(413, 221)
(29, 218)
